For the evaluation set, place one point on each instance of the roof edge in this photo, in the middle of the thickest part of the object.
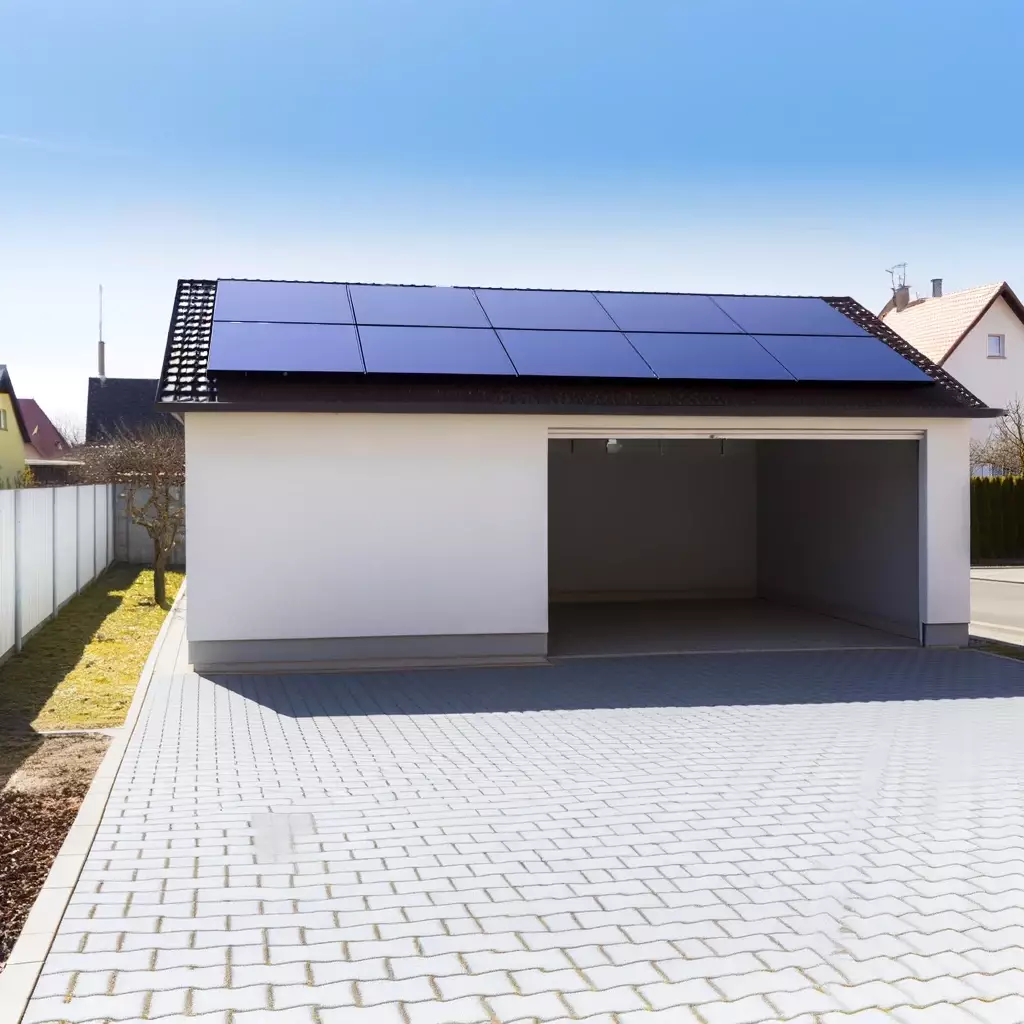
(1004, 292)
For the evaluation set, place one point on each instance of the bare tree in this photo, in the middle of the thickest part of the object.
(148, 465)
(71, 430)
(1004, 447)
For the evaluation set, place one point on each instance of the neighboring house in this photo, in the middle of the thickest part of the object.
(47, 453)
(467, 469)
(122, 404)
(13, 433)
(977, 335)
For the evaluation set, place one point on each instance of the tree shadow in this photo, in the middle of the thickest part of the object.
(29, 678)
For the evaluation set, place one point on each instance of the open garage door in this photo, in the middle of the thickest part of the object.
(708, 545)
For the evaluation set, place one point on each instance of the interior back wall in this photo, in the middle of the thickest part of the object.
(675, 519)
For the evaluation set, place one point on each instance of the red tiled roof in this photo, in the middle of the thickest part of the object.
(42, 434)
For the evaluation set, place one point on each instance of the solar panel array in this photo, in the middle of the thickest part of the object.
(300, 327)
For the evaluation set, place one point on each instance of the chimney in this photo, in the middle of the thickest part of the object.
(101, 359)
(901, 297)
(936, 287)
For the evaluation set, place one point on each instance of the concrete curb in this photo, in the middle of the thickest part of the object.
(19, 975)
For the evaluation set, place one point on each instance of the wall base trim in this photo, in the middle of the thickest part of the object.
(367, 653)
(945, 634)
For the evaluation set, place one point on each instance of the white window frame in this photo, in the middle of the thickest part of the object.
(3, 419)
(1000, 346)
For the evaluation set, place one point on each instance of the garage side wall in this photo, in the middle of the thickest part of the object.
(672, 519)
(838, 529)
(365, 539)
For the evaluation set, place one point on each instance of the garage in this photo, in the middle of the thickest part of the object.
(668, 545)
(390, 476)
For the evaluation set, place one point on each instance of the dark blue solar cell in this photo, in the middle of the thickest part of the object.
(292, 348)
(463, 350)
(708, 357)
(780, 314)
(637, 311)
(839, 359)
(405, 305)
(565, 311)
(282, 302)
(573, 354)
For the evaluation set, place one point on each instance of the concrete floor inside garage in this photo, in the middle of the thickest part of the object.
(675, 546)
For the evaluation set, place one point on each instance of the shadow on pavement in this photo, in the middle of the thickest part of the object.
(687, 681)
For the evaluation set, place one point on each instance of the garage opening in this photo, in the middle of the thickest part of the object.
(660, 546)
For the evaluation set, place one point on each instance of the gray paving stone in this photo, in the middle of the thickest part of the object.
(761, 837)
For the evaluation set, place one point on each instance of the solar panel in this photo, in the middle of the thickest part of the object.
(573, 354)
(708, 357)
(840, 359)
(780, 314)
(462, 350)
(637, 311)
(566, 311)
(285, 348)
(405, 305)
(282, 302)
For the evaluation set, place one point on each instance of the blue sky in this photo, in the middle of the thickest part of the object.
(732, 145)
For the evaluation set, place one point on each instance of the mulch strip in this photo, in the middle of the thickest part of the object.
(32, 828)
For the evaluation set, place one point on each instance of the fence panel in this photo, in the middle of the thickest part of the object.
(131, 542)
(100, 527)
(66, 543)
(7, 575)
(86, 535)
(35, 556)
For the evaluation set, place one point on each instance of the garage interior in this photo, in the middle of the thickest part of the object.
(687, 545)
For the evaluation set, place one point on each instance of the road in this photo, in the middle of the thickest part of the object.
(997, 603)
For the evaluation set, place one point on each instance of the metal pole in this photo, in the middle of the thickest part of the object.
(53, 547)
(17, 570)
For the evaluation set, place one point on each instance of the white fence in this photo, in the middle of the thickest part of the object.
(131, 542)
(54, 541)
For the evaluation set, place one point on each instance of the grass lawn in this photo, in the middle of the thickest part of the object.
(78, 672)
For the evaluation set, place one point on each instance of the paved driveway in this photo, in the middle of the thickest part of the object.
(715, 838)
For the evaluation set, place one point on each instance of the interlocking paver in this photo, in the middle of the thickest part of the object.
(759, 838)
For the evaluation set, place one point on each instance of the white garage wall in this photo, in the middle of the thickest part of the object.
(333, 525)
(839, 528)
(675, 519)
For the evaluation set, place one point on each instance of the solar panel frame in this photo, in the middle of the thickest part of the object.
(654, 312)
(853, 359)
(284, 348)
(291, 302)
(687, 356)
(416, 306)
(540, 353)
(461, 351)
(787, 315)
(524, 309)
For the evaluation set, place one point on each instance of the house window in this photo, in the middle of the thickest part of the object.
(997, 346)
(3, 419)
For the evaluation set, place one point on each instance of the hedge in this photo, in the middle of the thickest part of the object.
(997, 517)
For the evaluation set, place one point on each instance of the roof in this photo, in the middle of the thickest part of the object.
(7, 388)
(936, 326)
(118, 404)
(186, 382)
(43, 435)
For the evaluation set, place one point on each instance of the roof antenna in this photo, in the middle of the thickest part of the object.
(102, 357)
(900, 291)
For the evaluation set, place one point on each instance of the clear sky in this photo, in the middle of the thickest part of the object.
(796, 146)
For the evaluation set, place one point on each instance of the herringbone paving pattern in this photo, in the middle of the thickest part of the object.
(834, 838)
